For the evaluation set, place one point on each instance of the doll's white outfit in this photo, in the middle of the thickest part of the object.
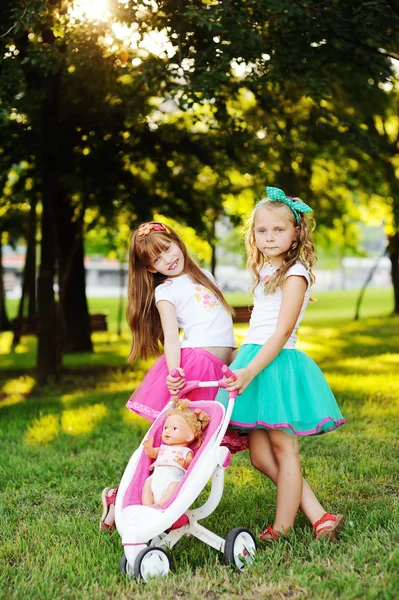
(166, 469)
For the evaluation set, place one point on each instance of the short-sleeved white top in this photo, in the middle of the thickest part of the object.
(266, 308)
(201, 316)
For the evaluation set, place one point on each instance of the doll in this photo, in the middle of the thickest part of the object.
(173, 457)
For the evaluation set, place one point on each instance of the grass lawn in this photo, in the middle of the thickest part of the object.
(61, 445)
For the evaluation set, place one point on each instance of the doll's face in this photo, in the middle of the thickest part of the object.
(177, 432)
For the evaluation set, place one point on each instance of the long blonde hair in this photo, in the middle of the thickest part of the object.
(142, 315)
(197, 419)
(302, 248)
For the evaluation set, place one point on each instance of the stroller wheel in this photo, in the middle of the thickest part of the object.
(151, 562)
(240, 548)
(125, 567)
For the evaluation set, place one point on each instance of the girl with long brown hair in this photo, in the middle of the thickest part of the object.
(168, 293)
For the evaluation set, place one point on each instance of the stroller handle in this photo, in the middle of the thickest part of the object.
(227, 372)
(193, 385)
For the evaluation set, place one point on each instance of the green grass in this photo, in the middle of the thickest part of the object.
(335, 305)
(336, 308)
(61, 445)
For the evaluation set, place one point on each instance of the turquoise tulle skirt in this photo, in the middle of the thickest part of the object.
(290, 394)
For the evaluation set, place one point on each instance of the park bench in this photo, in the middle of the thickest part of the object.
(29, 325)
(25, 326)
(99, 322)
(242, 314)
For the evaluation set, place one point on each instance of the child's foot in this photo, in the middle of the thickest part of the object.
(108, 499)
(269, 535)
(328, 526)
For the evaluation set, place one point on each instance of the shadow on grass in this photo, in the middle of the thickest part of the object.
(67, 441)
(360, 361)
(330, 345)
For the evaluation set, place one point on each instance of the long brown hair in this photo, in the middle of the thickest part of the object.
(302, 248)
(142, 315)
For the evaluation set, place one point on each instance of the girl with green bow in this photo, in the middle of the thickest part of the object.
(283, 395)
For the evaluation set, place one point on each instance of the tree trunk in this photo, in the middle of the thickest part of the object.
(49, 355)
(213, 258)
(4, 320)
(72, 281)
(366, 283)
(393, 241)
(121, 297)
(29, 274)
(393, 252)
(212, 240)
(30, 267)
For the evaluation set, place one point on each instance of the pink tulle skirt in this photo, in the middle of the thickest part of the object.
(152, 395)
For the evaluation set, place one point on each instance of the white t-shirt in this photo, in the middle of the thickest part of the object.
(266, 308)
(201, 316)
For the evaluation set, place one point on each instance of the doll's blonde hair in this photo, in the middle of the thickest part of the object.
(197, 419)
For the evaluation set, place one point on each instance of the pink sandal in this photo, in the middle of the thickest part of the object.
(269, 535)
(107, 501)
(330, 532)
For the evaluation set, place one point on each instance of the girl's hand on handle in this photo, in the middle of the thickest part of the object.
(176, 380)
(242, 380)
(228, 373)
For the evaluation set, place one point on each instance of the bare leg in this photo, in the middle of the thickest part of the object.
(110, 518)
(289, 480)
(147, 497)
(263, 460)
(108, 498)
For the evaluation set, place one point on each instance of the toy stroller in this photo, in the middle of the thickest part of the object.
(147, 530)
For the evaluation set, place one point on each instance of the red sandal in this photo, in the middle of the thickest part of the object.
(269, 535)
(330, 532)
(107, 501)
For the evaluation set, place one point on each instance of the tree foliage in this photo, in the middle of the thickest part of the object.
(189, 109)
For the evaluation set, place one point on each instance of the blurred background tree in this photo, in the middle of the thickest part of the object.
(111, 112)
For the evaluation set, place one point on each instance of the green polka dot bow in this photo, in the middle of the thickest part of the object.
(297, 207)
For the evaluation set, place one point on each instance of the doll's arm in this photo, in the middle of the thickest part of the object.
(149, 449)
(185, 462)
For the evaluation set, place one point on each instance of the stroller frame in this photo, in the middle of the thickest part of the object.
(146, 531)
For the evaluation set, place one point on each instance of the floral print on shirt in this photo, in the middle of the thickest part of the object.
(206, 297)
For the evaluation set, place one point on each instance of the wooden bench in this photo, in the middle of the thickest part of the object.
(242, 314)
(29, 325)
(99, 322)
(25, 326)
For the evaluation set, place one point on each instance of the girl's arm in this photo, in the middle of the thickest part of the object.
(293, 289)
(170, 328)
